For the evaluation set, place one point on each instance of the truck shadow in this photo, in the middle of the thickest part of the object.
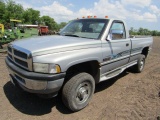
(30, 103)
(108, 83)
(33, 105)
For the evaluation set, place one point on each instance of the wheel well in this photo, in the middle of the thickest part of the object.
(91, 67)
(145, 51)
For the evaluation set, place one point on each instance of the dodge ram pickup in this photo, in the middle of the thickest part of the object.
(85, 52)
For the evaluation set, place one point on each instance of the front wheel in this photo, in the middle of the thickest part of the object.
(78, 91)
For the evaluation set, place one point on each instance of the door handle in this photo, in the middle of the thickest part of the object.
(127, 44)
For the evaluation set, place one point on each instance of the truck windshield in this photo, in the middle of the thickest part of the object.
(85, 28)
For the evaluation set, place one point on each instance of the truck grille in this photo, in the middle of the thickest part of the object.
(20, 57)
(20, 54)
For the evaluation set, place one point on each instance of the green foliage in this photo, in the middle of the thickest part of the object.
(11, 10)
(2, 11)
(48, 21)
(62, 24)
(31, 16)
(143, 31)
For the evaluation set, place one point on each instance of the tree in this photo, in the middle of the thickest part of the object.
(49, 22)
(31, 16)
(132, 31)
(62, 24)
(2, 11)
(140, 31)
(12, 10)
(154, 33)
(144, 31)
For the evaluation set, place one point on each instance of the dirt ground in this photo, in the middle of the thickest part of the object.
(130, 96)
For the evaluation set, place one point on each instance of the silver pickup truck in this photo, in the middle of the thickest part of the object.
(84, 53)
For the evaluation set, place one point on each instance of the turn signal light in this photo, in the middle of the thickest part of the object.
(106, 16)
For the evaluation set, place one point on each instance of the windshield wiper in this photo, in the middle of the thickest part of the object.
(72, 35)
(77, 36)
(87, 37)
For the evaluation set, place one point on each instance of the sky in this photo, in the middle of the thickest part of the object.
(136, 13)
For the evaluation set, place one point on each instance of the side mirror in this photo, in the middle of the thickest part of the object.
(115, 34)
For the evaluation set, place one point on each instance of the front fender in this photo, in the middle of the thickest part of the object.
(70, 58)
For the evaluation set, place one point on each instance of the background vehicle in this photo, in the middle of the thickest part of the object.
(1, 34)
(22, 31)
(16, 31)
(43, 30)
(86, 52)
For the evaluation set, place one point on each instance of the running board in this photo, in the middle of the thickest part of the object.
(116, 71)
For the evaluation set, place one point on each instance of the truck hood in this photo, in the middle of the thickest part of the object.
(55, 43)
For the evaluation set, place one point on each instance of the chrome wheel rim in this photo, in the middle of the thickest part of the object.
(141, 64)
(83, 92)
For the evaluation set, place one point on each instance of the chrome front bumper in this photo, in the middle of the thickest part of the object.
(35, 82)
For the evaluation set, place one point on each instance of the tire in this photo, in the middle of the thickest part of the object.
(140, 65)
(78, 91)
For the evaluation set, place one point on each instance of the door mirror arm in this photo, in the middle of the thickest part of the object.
(109, 37)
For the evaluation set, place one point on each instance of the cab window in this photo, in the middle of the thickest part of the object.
(117, 31)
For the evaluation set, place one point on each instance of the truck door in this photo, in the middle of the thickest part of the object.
(119, 46)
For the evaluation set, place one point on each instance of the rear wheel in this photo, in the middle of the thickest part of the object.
(140, 65)
(78, 91)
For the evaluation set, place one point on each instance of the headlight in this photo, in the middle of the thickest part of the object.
(46, 68)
